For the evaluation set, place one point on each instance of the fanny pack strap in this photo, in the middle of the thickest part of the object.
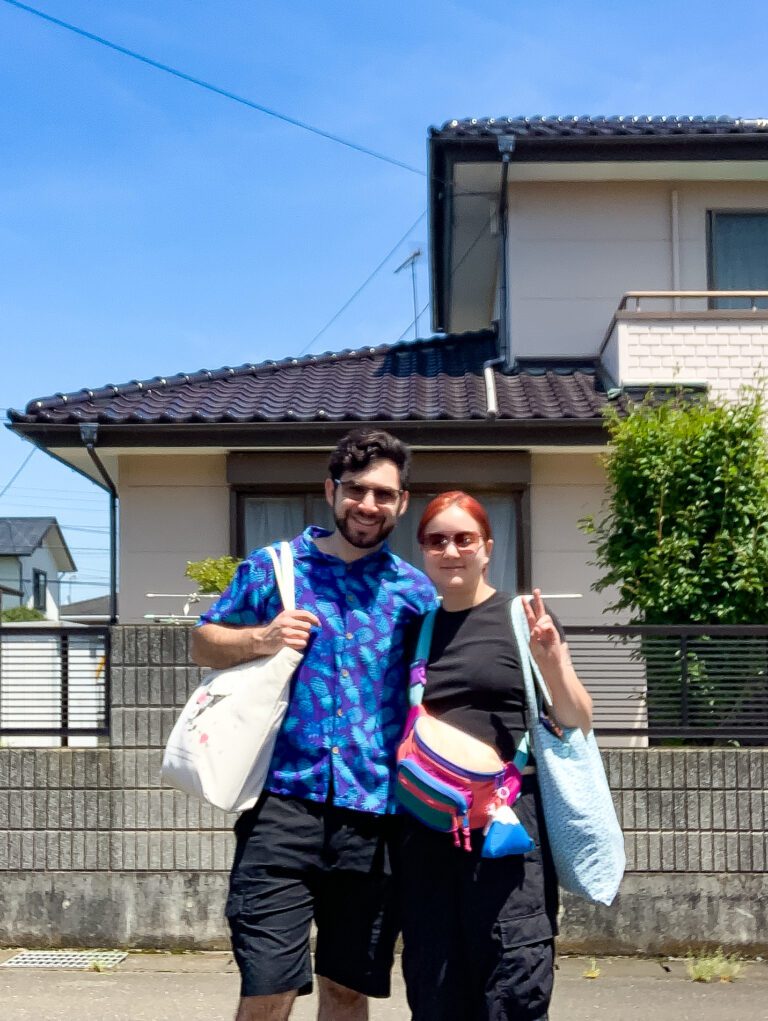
(418, 676)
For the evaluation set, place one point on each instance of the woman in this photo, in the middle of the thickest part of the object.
(478, 932)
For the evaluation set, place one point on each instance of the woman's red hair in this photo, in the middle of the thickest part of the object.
(456, 498)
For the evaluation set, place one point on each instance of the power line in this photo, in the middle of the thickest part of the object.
(84, 528)
(134, 55)
(18, 472)
(364, 284)
(59, 493)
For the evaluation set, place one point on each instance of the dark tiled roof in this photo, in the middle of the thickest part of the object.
(20, 537)
(440, 378)
(596, 127)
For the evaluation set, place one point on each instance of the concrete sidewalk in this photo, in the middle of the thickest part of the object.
(203, 987)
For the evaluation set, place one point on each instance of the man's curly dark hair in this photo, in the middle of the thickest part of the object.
(361, 447)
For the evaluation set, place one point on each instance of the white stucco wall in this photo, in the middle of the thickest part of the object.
(42, 560)
(173, 509)
(564, 489)
(10, 577)
(576, 247)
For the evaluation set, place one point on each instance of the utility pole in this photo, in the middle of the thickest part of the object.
(411, 261)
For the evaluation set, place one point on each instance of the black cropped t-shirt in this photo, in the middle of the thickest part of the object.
(474, 679)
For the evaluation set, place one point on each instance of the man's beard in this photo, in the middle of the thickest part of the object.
(376, 538)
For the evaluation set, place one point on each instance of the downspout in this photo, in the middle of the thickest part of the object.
(89, 432)
(674, 216)
(506, 148)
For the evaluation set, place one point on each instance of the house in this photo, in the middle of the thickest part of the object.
(572, 259)
(33, 557)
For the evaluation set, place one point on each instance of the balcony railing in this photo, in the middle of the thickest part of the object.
(697, 683)
(54, 682)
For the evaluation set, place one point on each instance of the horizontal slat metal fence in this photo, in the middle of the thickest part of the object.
(696, 683)
(54, 682)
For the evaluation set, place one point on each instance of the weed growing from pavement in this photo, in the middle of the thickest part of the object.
(713, 967)
(593, 971)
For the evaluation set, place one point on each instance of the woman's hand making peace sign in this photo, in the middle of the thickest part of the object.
(548, 649)
(571, 702)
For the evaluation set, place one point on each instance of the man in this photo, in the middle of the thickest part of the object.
(316, 844)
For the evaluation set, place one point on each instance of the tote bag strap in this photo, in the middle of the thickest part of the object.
(535, 685)
(283, 566)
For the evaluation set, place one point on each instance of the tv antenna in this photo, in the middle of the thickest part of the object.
(411, 261)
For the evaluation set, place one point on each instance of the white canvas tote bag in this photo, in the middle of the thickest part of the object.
(221, 746)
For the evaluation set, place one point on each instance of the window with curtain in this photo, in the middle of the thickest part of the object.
(738, 256)
(271, 518)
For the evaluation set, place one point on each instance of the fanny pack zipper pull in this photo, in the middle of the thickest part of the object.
(455, 831)
(466, 834)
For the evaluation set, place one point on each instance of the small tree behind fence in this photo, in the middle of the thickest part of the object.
(684, 540)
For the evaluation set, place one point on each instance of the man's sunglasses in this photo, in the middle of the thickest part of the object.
(438, 542)
(382, 495)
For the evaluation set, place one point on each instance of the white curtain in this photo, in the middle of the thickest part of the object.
(269, 519)
(320, 513)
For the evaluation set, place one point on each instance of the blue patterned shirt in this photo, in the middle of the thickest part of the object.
(349, 694)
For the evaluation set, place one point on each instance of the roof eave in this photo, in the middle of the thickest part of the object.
(442, 433)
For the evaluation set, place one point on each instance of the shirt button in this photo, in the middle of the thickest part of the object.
(345, 672)
(335, 749)
(348, 636)
(339, 712)
(350, 599)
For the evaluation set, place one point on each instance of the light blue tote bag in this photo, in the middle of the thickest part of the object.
(584, 833)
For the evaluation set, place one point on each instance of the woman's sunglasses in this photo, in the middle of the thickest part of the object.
(438, 542)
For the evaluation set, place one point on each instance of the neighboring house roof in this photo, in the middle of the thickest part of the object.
(97, 607)
(438, 379)
(597, 127)
(20, 537)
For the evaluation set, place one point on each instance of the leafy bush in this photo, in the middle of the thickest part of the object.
(20, 615)
(212, 574)
(685, 536)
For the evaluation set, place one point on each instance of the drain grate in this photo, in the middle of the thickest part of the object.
(82, 959)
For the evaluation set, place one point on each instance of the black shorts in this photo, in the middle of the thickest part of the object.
(298, 861)
(478, 933)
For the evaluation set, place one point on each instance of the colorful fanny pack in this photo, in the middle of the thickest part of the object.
(446, 791)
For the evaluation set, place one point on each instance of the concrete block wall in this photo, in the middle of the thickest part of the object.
(94, 852)
(692, 810)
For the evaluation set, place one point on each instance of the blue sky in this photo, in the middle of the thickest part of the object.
(149, 227)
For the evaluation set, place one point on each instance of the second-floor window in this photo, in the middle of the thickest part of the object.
(39, 589)
(738, 255)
